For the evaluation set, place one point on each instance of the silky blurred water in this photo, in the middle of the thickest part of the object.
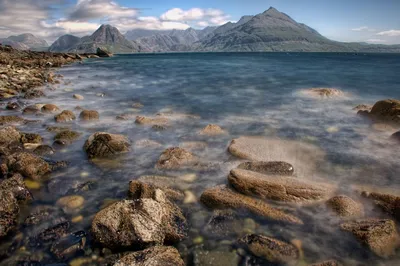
(247, 94)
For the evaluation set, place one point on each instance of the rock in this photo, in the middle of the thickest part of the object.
(13, 106)
(221, 197)
(137, 105)
(175, 158)
(215, 257)
(88, 115)
(102, 52)
(65, 116)
(270, 249)
(66, 137)
(326, 263)
(32, 94)
(268, 168)
(345, 206)
(154, 256)
(71, 202)
(380, 236)
(142, 120)
(223, 223)
(212, 130)
(190, 197)
(396, 136)
(69, 246)
(143, 189)
(363, 107)
(31, 110)
(143, 222)
(102, 144)
(12, 192)
(303, 156)
(324, 92)
(158, 128)
(57, 129)
(44, 150)
(28, 165)
(9, 135)
(385, 200)
(78, 97)
(31, 138)
(125, 117)
(50, 108)
(386, 111)
(10, 119)
(280, 188)
(48, 230)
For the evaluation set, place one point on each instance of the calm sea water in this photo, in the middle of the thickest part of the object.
(256, 94)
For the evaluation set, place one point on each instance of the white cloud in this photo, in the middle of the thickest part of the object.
(202, 23)
(363, 28)
(389, 33)
(98, 9)
(151, 23)
(198, 15)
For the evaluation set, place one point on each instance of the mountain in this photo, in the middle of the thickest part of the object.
(230, 25)
(135, 34)
(25, 41)
(64, 43)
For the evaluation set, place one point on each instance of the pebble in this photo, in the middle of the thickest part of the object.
(30, 184)
(71, 202)
(189, 197)
(198, 240)
(77, 219)
(31, 146)
(78, 97)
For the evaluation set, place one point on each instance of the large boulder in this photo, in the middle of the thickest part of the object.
(385, 111)
(143, 222)
(303, 156)
(222, 197)
(280, 188)
(103, 52)
(268, 168)
(175, 158)
(27, 164)
(102, 144)
(270, 249)
(380, 236)
(154, 256)
(345, 206)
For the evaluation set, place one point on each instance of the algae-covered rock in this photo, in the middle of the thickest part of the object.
(102, 144)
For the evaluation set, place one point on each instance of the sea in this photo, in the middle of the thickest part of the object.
(246, 94)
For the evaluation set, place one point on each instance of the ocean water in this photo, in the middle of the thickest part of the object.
(247, 94)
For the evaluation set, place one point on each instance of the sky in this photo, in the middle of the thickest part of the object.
(372, 21)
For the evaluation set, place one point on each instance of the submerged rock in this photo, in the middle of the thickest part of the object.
(66, 137)
(9, 135)
(154, 256)
(143, 189)
(385, 200)
(43, 150)
(222, 197)
(65, 116)
(31, 138)
(78, 97)
(89, 115)
(13, 106)
(345, 206)
(31, 109)
(380, 236)
(212, 130)
(102, 144)
(303, 156)
(158, 120)
(324, 92)
(363, 107)
(143, 222)
(270, 249)
(385, 111)
(10, 119)
(280, 188)
(268, 168)
(28, 165)
(396, 136)
(215, 257)
(70, 245)
(50, 108)
(175, 158)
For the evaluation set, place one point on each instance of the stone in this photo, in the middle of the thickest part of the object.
(32, 94)
(279, 188)
(380, 236)
(324, 93)
(9, 135)
(69, 246)
(89, 115)
(31, 138)
(143, 222)
(154, 256)
(31, 110)
(268, 168)
(304, 157)
(142, 189)
(212, 130)
(71, 202)
(137, 105)
(78, 97)
(345, 206)
(387, 201)
(327, 263)
(13, 106)
(50, 108)
(65, 116)
(222, 197)
(102, 144)
(175, 158)
(190, 197)
(10, 119)
(66, 137)
(43, 150)
(386, 111)
(396, 136)
(159, 127)
(102, 52)
(363, 107)
(215, 257)
(56, 129)
(270, 249)
(28, 165)
(158, 120)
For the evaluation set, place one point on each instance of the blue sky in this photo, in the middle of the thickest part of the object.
(374, 21)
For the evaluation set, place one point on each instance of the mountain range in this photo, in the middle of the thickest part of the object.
(25, 41)
(268, 31)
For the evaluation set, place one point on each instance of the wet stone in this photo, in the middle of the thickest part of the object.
(327, 263)
(154, 256)
(50, 108)
(174, 158)
(65, 116)
(13, 106)
(9, 120)
(66, 137)
(345, 206)
(102, 144)
(33, 94)
(212, 130)
(28, 165)
(9, 135)
(44, 150)
(223, 258)
(89, 115)
(268, 168)
(69, 246)
(396, 136)
(31, 138)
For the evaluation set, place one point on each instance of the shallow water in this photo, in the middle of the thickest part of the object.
(255, 94)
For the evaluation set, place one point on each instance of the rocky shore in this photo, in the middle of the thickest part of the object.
(154, 222)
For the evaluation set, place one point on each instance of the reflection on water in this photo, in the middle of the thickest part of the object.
(245, 94)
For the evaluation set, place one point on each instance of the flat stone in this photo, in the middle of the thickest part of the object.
(10, 119)
(222, 197)
(280, 188)
(142, 120)
(268, 168)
